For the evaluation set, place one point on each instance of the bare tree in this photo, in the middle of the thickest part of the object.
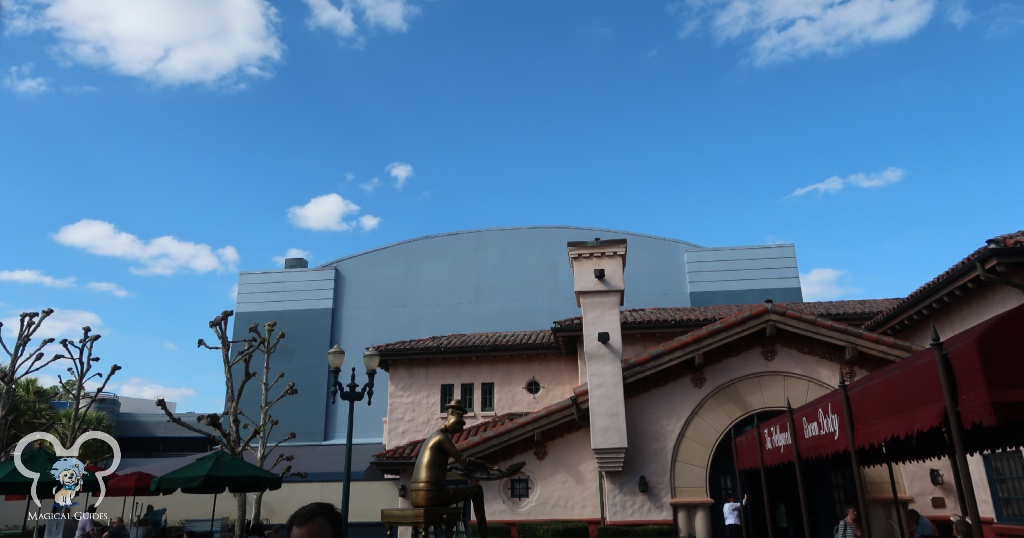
(74, 420)
(21, 362)
(233, 429)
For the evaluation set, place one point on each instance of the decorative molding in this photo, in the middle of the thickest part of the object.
(769, 351)
(698, 378)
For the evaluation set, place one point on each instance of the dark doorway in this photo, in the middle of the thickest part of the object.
(828, 487)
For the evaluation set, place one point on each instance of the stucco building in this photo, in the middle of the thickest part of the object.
(625, 416)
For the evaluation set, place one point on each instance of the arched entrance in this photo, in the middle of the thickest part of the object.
(706, 432)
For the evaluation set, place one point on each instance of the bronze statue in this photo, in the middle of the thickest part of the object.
(428, 488)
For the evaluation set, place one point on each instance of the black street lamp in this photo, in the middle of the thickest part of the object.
(350, 393)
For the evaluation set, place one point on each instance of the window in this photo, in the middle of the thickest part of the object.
(532, 386)
(467, 397)
(519, 488)
(487, 396)
(447, 395)
(1006, 479)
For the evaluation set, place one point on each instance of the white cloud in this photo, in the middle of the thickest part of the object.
(349, 176)
(33, 276)
(371, 185)
(170, 346)
(785, 30)
(957, 13)
(291, 253)
(369, 222)
(165, 41)
(324, 213)
(60, 324)
(391, 15)
(137, 387)
(108, 287)
(401, 172)
(19, 79)
(233, 293)
(835, 184)
(824, 284)
(161, 256)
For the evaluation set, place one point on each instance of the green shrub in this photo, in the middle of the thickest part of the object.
(553, 529)
(497, 530)
(645, 531)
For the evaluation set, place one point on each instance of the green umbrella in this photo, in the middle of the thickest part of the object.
(214, 473)
(39, 460)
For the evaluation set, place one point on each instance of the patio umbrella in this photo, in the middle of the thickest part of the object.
(133, 483)
(39, 460)
(214, 473)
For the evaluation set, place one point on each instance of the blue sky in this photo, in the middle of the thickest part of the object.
(152, 149)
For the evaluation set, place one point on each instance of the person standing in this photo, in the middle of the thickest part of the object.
(86, 527)
(733, 522)
(847, 527)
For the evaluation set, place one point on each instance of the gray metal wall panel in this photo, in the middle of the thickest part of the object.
(302, 356)
(291, 289)
(784, 250)
(739, 285)
(285, 275)
(778, 295)
(731, 265)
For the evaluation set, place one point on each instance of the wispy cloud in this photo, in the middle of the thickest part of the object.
(19, 79)
(835, 184)
(329, 213)
(369, 222)
(340, 17)
(371, 185)
(34, 276)
(824, 284)
(291, 253)
(161, 256)
(785, 30)
(168, 42)
(60, 324)
(170, 346)
(138, 387)
(401, 172)
(957, 13)
(108, 287)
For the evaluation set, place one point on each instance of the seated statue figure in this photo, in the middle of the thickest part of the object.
(428, 487)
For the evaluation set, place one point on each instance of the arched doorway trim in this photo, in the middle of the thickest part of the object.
(709, 422)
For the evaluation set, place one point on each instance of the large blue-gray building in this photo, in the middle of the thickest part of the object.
(498, 279)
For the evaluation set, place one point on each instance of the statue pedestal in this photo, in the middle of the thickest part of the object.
(421, 520)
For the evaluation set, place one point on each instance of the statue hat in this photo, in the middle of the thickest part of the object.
(455, 406)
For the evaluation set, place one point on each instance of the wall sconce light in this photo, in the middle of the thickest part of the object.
(936, 477)
(642, 484)
(403, 490)
(599, 274)
(603, 337)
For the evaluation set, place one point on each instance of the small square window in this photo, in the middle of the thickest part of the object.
(519, 488)
(447, 395)
(467, 397)
(487, 397)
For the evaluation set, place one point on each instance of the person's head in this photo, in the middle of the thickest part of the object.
(962, 528)
(455, 422)
(851, 511)
(117, 521)
(730, 499)
(149, 507)
(316, 520)
(913, 516)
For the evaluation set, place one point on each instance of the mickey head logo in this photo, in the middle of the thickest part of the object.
(65, 453)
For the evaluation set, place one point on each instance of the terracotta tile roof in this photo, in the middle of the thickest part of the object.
(639, 317)
(1010, 240)
(540, 339)
(411, 450)
(508, 425)
(784, 310)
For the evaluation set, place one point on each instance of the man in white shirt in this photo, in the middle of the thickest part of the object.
(731, 511)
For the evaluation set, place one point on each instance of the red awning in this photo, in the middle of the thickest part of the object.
(820, 432)
(902, 405)
(905, 399)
